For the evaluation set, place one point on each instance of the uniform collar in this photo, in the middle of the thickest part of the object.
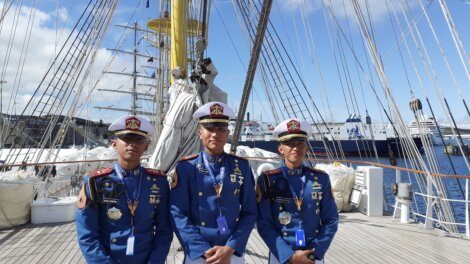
(129, 173)
(214, 158)
(292, 172)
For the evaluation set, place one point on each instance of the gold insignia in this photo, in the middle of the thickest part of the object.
(81, 200)
(133, 123)
(316, 186)
(216, 110)
(237, 170)
(293, 126)
(155, 188)
(237, 191)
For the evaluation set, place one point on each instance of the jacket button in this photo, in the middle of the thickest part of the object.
(113, 240)
(316, 230)
(284, 234)
(203, 223)
(200, 193)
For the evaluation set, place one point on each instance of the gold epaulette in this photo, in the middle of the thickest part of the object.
(189, 157)
(272, 172)
(154, 172)
(101, 172)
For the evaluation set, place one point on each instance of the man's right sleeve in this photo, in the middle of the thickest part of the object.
(87, 223)
(266, 226)
(188, 234)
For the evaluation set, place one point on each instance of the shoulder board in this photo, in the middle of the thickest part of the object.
(235, 156)
(101, 172)
(316, 170)
(190, 157)
(272, 172)
(154, 172)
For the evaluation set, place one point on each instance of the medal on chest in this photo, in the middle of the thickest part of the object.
(114, 213)
(284, 218)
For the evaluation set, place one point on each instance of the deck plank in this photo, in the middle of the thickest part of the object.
(360, 239)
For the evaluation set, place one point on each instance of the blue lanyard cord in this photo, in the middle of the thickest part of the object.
(129, 201)
(211, 172)
(214, 180)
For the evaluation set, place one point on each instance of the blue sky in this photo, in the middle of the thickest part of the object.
(230, 53)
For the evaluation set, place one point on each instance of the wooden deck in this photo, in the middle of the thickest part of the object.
(359, 240)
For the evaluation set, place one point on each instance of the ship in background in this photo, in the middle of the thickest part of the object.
(428, 127)
(351, 138)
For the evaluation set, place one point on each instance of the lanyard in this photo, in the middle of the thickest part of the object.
(297, 199)
(217, 185)
(131, 204)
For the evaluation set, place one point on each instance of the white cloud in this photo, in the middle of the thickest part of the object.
(62, 14)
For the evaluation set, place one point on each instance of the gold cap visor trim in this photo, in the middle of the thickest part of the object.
(291, 136)
(213, 120)
(122, 132)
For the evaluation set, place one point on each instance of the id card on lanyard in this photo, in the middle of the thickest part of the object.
(299, 232)
(132, 207)
(221, 220)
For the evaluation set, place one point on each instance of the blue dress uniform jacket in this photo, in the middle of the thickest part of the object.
(318, 211)
(104, 240)
(194, 204)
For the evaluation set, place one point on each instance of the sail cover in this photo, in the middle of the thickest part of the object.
(179, 134)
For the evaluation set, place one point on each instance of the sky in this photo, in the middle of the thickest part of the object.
(311, 34)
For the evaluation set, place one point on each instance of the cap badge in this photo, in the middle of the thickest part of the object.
(132, 123)
(217, 110)
(293, 126)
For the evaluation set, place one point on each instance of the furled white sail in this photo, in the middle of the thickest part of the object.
(179, 135)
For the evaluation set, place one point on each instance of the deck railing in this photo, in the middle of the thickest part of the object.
(427, 217)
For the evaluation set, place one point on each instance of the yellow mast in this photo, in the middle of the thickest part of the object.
(179, 29)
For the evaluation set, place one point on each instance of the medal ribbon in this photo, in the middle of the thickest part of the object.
(131, 204)
(217, 185)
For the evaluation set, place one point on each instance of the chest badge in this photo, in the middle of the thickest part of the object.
(114, 213)
(233, 178)
(154, 199)
(284, 218)
(240, 180)
(201, 169)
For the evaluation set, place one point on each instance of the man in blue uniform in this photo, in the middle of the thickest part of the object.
(297, 215)
(213, 202)
(123, 212)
